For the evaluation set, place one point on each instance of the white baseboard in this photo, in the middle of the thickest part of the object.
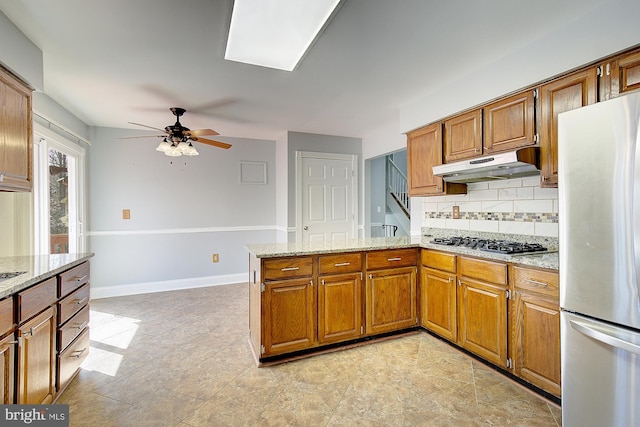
(98, 291)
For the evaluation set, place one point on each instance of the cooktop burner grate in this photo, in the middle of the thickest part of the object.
(489, 245)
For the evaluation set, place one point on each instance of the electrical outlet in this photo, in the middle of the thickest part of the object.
(456, 212)
(215, 258)
(126, 214)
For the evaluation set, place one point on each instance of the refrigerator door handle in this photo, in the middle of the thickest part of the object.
(607, 337)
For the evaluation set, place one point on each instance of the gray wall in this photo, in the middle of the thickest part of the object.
(182, 209)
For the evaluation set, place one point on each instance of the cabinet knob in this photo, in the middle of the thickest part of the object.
(305, 228)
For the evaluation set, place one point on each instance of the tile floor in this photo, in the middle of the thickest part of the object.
(182, 359)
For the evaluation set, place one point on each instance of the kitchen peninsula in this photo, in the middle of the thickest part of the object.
(44, 318)
(306, 298)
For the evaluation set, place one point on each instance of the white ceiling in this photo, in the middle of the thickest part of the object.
(110, 62)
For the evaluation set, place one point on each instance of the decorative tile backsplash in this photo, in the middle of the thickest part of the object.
(515, 206)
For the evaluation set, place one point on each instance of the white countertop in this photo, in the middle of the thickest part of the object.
(36, 269)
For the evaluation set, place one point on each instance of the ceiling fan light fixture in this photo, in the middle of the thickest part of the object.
(173, 152)
(183, 146)
(191, 151)
(163, 146)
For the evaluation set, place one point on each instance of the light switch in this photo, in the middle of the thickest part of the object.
(126, 214)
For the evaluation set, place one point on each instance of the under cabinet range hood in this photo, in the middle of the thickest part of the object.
(512, 164)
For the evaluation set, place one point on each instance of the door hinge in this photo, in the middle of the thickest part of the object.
(262, 287)
(535, 93)
(509, 363)
(361, 329)
(535, 138)
(262, 350)
(508, 294)
(361, 276)
(599, 70)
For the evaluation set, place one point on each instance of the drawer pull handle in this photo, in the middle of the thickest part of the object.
(290, 269)
(31, 330)
(342, 264)
(80, 301)
(536, 283)
(82, 325)
(394, 259)
(79, 279)
(76, 354)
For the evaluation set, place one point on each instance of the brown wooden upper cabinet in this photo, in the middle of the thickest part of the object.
(15, 134)
(424, 150)
(463, 136)
(619, 75)
(509, 123)
(564, 94)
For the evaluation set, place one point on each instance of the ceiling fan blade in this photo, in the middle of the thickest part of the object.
(200, 132)
(212, 142)
(150, 127)
(143, 136)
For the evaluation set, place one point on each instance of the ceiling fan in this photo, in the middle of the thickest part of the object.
(176, 138)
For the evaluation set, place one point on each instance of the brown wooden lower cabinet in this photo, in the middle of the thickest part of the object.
(439, 303)
(391, 300)
(37, 359)
(7, 370)
(339, 307)
(289, 316)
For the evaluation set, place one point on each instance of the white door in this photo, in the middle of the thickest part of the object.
(58, 193)
(326, 199)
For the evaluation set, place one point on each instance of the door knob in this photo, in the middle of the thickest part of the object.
(305, 228)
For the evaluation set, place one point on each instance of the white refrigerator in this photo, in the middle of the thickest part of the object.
(599, 223)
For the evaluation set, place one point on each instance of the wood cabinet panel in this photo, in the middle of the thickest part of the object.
(628, 73)
(391, 300)
(72, 279)
(71, 304)
(283, 268)
(463, 136)
(338, 264)
(7, 369)
(15, 134)
(339, 307)
(567, 93)
(69, 360)
(7, 323)
(544, 282)
(70, 330)
(482, 311)
(509, 123)
(537, 341)
(392, 258)
(37, 358)
(439, 260)
(289, 316)
(489, 271)
(438, 303)
(35, 299)
(424, 151)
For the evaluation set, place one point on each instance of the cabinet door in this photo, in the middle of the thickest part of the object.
(482, 309)
(15, 134)
(509, 123)
(463, 136)
(537, 341)
(623, 73)
(391, 300)
(424, 151)
(36, 359)
(339, 307)
(568, 93)
(438, 303)
(7, 369)
(289, 308)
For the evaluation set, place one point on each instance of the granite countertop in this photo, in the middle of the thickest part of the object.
(547, 259)
(35, 269)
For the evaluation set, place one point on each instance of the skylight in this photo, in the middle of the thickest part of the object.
(275, 33)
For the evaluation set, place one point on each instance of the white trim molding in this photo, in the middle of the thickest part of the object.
(98, 291)
(184, 230)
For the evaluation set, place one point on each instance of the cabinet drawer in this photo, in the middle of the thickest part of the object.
(6, 315)
(73, 279)
(69, 360)
(439, 260)
(283, 268)
(487, 271)
(70, 305)
(70, 330)
(341, 263)
(35, 299)
(543, 282)
(393, 258)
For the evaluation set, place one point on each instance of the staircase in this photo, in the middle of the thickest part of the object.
(398, 208)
